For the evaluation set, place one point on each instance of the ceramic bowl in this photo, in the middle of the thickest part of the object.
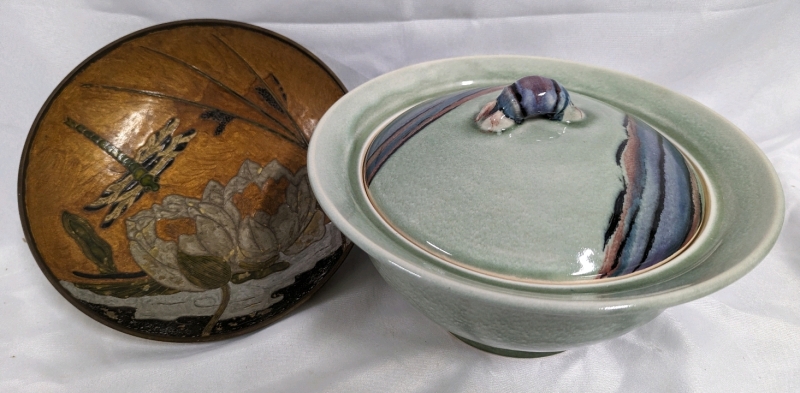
(163, 189)
(743, 204)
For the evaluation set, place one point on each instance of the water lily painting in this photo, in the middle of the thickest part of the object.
(210, 268)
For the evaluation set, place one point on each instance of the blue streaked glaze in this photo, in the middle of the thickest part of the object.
(528, 98)
(410, 123)
(533, 96)
(657, 211)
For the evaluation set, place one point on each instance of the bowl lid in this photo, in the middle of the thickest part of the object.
(163, 188)
(596, 193)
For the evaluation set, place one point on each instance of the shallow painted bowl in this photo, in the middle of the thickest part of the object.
(743, 205)
(163, 189)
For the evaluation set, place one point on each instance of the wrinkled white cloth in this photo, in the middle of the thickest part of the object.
(739, 57)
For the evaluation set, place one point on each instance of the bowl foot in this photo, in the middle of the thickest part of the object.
(505, 352)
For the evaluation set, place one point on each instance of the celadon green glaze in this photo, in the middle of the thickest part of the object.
(743, 199)
(531, 203)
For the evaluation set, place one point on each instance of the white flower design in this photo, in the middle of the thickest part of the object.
(226, 246)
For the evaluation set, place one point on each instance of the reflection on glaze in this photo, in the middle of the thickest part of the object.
(657, 211)
(438, 248)
(529, 97)
(586, 262)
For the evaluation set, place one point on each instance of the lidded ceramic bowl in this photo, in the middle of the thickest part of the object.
(546, 232)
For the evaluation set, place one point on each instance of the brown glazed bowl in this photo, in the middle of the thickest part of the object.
(163, 186)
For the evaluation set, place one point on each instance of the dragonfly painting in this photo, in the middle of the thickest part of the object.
(142, 170)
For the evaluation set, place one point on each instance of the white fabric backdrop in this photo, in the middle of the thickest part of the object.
(739, 57)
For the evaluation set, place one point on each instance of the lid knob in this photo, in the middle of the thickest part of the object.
(531, 96)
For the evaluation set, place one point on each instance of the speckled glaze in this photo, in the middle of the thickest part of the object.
(548, 200)
(743, 202)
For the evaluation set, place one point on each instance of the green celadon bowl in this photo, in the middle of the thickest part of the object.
(743, 208)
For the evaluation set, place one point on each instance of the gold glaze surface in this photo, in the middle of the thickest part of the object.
(179, 178)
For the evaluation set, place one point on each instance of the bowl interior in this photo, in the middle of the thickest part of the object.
(162, 187)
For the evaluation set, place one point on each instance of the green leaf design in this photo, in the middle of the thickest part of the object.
(93, 246)
(125, 289)
(205, 271)
(257, 274)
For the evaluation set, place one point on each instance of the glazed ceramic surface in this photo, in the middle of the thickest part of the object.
(743, 205)
(546, 200)
(163, 187)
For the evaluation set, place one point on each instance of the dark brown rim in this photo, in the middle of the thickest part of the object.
(45, 108)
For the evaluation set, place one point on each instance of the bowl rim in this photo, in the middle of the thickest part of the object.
(331, 196)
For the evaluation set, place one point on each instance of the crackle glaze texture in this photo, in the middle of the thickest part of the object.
(545, 200)
(742, 198)
(164, 189)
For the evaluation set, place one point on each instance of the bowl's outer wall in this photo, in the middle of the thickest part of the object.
(507, 324)
(744, 193)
